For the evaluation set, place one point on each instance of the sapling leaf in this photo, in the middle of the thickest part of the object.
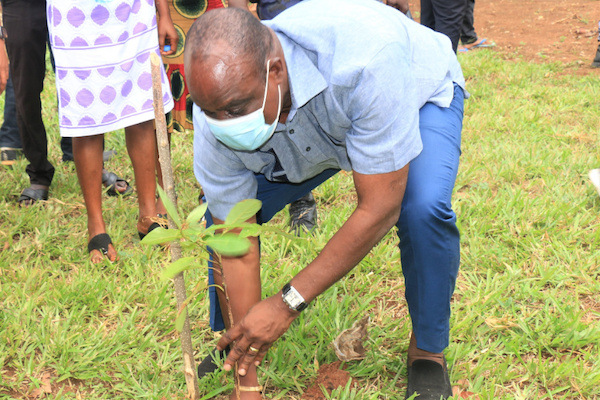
(183, 264)
(170, 207)
(229, 244)
(242, 211)
(197, 213)
(161, 235)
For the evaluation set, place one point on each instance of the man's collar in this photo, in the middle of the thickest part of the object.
(305, 80)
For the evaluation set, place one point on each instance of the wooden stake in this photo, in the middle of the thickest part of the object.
(164, 157)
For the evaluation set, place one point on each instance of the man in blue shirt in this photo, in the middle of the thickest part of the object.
(281, 107)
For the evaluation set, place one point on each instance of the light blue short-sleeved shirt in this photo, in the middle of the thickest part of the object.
(359, 71)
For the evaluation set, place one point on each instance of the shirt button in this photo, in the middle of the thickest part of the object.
(291, 131)
(308, 149)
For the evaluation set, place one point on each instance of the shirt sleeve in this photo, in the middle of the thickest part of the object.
(384, 109)
(224, 178)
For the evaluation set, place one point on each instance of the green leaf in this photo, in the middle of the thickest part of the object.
(229, 244)
(161, 235)
(197, 213)
(171, 209)
(180, 319)
(242, 211)
(183, 264)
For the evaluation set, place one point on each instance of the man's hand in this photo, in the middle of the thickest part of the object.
(401, 5)
(256, 332)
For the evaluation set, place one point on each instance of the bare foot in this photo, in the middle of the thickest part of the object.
(97, 257)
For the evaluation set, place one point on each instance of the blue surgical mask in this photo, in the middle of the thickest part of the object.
(249, 131)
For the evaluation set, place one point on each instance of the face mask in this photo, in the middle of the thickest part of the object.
(249, 131)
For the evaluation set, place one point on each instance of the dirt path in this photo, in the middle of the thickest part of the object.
(540, 30)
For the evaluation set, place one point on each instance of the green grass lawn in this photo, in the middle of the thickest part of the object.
(526, 311)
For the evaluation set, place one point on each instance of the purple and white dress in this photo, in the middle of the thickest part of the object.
(102, 51)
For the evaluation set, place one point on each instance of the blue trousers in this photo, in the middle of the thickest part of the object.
(429, 239)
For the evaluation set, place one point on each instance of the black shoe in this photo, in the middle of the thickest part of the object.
(9, 156)
(429, 379)
(208, 365)
(303, 214)
(596, 62)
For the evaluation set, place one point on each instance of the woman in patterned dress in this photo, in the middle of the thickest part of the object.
(102, 50)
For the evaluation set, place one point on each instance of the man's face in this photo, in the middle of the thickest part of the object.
(225, 86)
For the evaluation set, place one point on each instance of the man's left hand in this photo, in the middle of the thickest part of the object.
(256, 332)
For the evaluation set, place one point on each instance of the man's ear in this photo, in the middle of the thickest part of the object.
(278, 69)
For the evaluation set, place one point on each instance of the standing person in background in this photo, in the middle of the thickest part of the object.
(26, 33)
(103, 78)
(468, 36)
(444, 16)
(596, 62)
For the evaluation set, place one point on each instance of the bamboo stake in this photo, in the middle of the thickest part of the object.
(164, 157)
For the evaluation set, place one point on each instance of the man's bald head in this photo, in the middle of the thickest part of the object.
(246, 38)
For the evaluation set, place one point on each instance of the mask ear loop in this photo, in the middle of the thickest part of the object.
(266, 84)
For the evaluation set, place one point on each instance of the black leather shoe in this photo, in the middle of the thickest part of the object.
(209, 365)
(429, 380)
(303, 214)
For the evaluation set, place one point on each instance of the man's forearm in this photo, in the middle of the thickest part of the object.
(366, 226)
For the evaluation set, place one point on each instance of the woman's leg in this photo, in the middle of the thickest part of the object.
(141, 145)
(87, 151)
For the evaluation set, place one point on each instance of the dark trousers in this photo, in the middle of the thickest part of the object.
(25, 22)
(467, 31)
(9, 133)
(444, 16)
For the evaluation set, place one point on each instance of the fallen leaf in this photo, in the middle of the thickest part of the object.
(45, 386)
(460, 394)
(349, 344)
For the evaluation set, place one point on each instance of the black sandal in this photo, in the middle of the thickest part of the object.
(100, 242)
(110, 180)
(150, 229)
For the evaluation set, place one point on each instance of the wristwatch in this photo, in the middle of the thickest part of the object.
(3, 34)
(292, 298)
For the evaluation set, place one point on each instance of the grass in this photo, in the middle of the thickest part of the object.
(526, 312)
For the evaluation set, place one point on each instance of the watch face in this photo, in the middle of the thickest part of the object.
(294, 298)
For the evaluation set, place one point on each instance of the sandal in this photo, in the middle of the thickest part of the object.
(110, 180)
(150, 229)
(99, 242)
(30, 196)
(479, 44)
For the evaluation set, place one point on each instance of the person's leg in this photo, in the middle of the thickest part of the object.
(448, 16)
(141, 145)
(26, 47)
(10, 140)
(429, 245)
(467, 30)
(9, 132)
(88, 162)
(427, 16)
(429, 238)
